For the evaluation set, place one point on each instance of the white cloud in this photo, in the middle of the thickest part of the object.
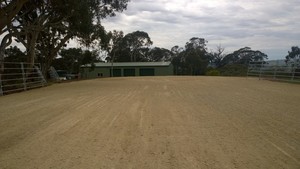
(270, 25)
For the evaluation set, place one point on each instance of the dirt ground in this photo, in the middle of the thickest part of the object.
(153, 122)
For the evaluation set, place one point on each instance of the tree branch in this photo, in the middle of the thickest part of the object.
(10, 11)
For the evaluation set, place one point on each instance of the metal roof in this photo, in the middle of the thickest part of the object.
(129, 64)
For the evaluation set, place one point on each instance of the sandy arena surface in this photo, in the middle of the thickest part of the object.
(153, 122)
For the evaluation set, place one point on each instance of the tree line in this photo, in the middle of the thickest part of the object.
(44, 28)
(192, 59)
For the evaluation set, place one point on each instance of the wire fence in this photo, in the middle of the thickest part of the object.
(16, 77)
(275, 70)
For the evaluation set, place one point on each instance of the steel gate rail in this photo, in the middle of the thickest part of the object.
(275, 70)
(18, 76)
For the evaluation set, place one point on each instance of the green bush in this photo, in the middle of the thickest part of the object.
(234, 70)
(213, 72)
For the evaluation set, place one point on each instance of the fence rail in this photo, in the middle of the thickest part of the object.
(15, 77)
(274, 70)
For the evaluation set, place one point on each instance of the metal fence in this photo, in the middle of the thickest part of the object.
(16, 77)
(275, 70)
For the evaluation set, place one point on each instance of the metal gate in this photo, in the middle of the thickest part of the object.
(20, 76)
(276, 70)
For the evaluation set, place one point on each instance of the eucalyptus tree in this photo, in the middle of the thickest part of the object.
(217, 56)
(114, 45)
(293, 56)
(177, 59)
(243, 56)
(192, 59)
(72, 58)
(157, 54)
(195, 56)
(14, 54)
(8, 10)
(136, 45)
(49, 24)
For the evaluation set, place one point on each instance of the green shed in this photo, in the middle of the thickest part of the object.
(124, 69)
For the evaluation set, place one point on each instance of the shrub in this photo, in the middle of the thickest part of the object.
(234, 70)
(213, 72)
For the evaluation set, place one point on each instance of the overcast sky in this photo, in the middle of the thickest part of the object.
(271, 26)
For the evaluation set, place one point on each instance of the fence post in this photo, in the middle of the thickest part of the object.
(275, 71)
(248, 69)
(40, 74)
(260, 71)
(23, 76)
(293, 72)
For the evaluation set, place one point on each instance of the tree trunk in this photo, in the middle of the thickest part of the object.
(31, 55)
(52, 53)
(131, 57)
(31, 39)
(6, 41)
(1, 61)
(47, 65)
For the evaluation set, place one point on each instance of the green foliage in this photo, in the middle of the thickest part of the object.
(233, 70)
(193, 60)
(133, 47)
(243, 56)
(47, 26)
(217, 56)
(196, 43)
(113, 43)
(294, 55)
(71, 59)
(9, 9)
(212, 72)
(235, 63)
(137, 43)
(157, 54)
(14, 54)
